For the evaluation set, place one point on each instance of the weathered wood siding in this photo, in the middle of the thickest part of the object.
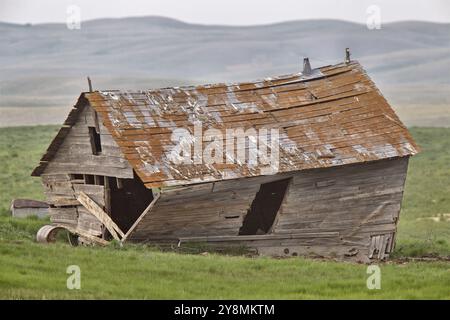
(356, 203)
(74, 156)
(207, 209)
(29, 212)
(75, 153)
(338, 211)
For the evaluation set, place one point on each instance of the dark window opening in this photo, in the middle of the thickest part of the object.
(99, 180)
(128, 202)
(94, 137)
(89, 179)
(77, 178)
(261, 215)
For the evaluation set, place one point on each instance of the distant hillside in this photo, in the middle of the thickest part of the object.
(46, 65)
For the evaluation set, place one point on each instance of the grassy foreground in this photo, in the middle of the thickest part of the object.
(30, 270)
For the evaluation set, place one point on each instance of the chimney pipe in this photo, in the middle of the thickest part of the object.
(306, 66)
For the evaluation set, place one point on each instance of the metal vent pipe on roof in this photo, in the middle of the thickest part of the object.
(306, 66)
(347, 55)
(89, 84)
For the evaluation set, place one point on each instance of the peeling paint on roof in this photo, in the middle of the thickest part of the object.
(333, 116)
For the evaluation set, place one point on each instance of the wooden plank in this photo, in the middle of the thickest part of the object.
(93, 208)
(95, 192)
(107, 198)
(88, 222)
(260, 237)
(64, 216)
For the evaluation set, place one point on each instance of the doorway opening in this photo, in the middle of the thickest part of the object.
(128, 199)
(261, 215)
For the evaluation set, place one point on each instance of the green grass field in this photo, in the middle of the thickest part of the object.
(31, 270)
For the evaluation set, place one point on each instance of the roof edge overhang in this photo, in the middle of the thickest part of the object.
(282, 175)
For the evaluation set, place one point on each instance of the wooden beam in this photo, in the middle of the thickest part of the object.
(107, 195)
(149, 207)
(309, 235)
(101, 215)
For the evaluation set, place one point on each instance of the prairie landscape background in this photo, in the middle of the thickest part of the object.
(43, 69)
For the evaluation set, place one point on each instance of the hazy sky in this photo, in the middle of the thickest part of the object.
(232, 12)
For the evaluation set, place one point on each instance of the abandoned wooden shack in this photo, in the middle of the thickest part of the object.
(23, 208)
(336, 191)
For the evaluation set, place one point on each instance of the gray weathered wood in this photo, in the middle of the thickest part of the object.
(102, 216)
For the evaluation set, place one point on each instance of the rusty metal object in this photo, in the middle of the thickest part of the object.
(48, 233)
(332, 116)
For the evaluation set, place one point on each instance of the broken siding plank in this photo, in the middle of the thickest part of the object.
(103, 217)
(95, 192)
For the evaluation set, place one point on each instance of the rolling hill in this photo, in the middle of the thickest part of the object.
(46, 65)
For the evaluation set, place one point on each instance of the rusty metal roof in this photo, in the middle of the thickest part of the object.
(333, 116)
